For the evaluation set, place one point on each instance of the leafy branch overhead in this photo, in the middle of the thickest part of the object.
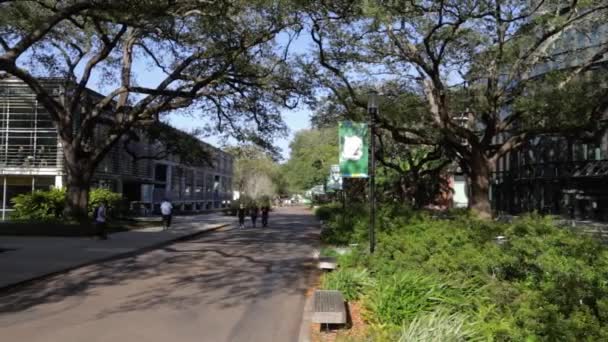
(217, 58)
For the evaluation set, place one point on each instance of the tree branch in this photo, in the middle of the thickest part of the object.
(93, 62)
(11, 55)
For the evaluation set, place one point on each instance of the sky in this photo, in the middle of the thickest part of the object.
(295, 119)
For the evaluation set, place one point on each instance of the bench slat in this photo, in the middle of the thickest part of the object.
(329, 307)
(327, 263)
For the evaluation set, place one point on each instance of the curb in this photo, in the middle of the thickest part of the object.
(305, 327)
(15, 286)
(304, 334)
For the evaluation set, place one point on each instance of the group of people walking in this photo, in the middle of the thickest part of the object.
(254, 211)
(166, 208)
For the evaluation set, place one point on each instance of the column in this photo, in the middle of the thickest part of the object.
(4, 198)
(168, 181)
(58, 181)
(119, 186)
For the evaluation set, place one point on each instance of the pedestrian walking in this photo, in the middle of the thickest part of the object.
(254, 214)
(166, 210)
(241, 215)
(265, 212)
(100, 217)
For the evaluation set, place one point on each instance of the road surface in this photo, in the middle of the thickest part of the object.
(230, 285)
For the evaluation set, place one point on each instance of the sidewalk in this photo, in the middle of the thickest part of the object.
(34, 257)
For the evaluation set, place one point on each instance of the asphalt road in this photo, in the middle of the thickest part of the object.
(230, 285)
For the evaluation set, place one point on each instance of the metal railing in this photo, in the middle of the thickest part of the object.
(29, 157)
(555, 170)
(159, 194)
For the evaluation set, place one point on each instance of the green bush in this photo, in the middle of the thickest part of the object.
(544, 283)
(49, 205)
(98, 195)
(344, 228)
(351, 282)
(397, 299)
(327, 211)
(439, 325)
(39, 205)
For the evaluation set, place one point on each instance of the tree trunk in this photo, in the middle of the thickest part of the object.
(479, 201)
(78, 175)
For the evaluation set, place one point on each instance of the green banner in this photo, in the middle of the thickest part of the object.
(354, 152)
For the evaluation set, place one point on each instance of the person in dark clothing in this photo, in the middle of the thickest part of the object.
(241, 215)
(254, 214)
(265, 211)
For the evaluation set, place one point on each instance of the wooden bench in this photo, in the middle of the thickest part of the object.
(328, 307)
(327, 263)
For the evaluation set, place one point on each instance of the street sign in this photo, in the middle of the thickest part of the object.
(354, 154)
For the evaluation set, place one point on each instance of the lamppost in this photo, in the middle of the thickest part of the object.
(372, 111)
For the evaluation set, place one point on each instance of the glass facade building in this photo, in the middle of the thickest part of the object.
(31, 159)
(554, 174)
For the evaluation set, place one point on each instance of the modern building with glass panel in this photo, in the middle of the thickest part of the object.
(31, 158)
(556, 174)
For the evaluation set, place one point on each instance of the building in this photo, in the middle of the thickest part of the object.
(31, 158)
(554, 174)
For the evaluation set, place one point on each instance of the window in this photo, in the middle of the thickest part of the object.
(27, 135)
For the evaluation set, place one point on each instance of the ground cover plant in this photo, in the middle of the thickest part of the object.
(542, 283)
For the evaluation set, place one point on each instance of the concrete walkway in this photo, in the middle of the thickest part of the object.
(34, 257)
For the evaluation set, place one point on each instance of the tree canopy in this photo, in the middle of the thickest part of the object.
(256, 173)
(471, 63)
(313, 151)
(219, 57)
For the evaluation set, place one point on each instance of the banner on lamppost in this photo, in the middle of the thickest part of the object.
(354, 152)
(334, 181)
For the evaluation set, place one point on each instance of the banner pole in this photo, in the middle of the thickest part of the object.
(372, 108)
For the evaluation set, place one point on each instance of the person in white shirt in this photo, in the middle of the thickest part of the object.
(100, 220)
(166, 210)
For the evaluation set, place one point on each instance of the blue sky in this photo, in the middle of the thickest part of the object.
(296, 119)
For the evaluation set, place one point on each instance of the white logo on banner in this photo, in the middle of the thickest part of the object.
(353, 148)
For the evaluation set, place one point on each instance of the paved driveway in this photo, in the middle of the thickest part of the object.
(230, 285)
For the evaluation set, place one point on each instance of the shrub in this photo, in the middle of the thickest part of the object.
(544, 283)
(98, 195)
(39, 205)
(351, 282)
(327, 211)
(49, 205)
(344, 228)
(397, 299)
(329, 252)
(439, 325)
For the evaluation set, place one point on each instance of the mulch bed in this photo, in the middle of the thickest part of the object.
(355, 329)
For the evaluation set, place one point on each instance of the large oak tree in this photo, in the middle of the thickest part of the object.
(472, 62)
(219, 57)
(410, 170)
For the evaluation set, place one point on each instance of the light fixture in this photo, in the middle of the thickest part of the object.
(372, 101)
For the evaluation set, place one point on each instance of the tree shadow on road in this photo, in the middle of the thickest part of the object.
(222, 268)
